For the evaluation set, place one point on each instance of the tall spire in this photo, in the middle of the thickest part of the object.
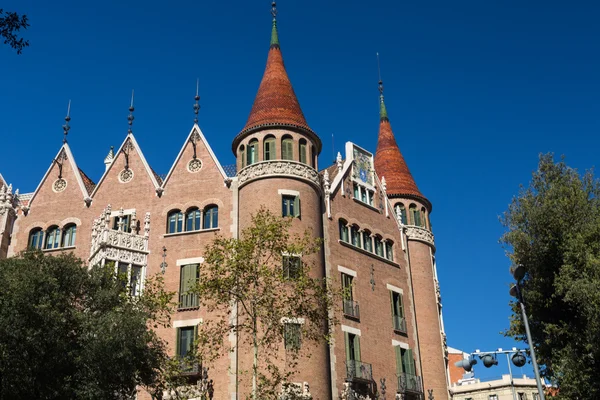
(389, 162)
(196, 105)
(130, 117)
(276, 104)
(66, 126)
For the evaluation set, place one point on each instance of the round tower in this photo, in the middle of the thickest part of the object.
(413, 209)
(276, 156)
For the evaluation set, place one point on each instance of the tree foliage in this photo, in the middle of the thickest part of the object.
(248, 273)
(553, 230)
(67, 332)
(11, 24)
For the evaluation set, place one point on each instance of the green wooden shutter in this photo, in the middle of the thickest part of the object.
(398, 351)
(357, 347)
(400, 305)
(177, 341)
(393, 309)
(297, 206)
(409, 362)
(347, 341)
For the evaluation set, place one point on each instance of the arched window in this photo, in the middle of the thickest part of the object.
(69, 234)
(423, 217)
(302, 151)
(192, 219)
(368, 241)
(252, 151)
(378, 246)
(211, 217)
(52, 238)
(36, 237)
(269, 148)
(313, 159)
(343, 231)
(287, 148)
(401, 210)
(355, 236)
(175, 222)
(389, 250)
(242, 155)
(415, 215)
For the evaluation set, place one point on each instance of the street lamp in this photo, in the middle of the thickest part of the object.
(519, 273)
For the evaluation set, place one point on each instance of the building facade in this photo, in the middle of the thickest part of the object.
(522, 388)
(367, 208)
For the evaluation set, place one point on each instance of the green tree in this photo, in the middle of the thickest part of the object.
(10, 25)
(553, 230)
(69, 332)
(257, 287)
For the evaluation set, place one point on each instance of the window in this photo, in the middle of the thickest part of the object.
(269, 148)
(415, 215)
(389, 250)
(125, 223)
(405, 364)
(353, 363)
(252, 152)
(423, 217)
(131, 277)
(292, 266)
(398, 312)
(343, 231)
(36, 237)
(290, 206)
(535, 396)
(187, 279)
(287, 148)
(302, 151)
(401, 211)
(522, 395)
(312, 157)
(69, 234)
(175, 222)
(186, 336)
(355, 236)
(192, 220)
(242, 155)
(211, 217)
(350, 307)
(292, 335)
(378, 246)
(52, 238)
(356, 191)
(367, 241)
(493, 397)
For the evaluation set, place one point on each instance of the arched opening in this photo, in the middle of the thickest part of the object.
(211, 217)
(389, 250)
(401, 211)
(242, 155)
(192, 219)
(69, 235)
(343, 231)
(302, 151)
(367, 241)
(423, 217)
(415, 215)
(313, 157)
(175, 221)
(287, 148)
(36, 237)
(355, 236)
(378, 245)
(269, 152)
(52, 238)
(252, 152)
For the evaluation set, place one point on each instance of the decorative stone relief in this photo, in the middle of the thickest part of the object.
(279, 168)
(419, 234)
(194, 165)
(126, 175)
(438, 292)
(59, 185)
(295, 391)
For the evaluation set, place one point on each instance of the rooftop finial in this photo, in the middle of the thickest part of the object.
(130, 117)
(196, 105)
(66, 126)
(382, 110)
(274, 35)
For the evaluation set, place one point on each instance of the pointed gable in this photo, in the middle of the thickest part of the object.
(128, 166)
(390, 163)
(63, 177)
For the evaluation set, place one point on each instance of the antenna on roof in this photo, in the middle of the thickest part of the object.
(196, 105)
(274, 10)
(130, 117)
(66, 126)
(379, 72)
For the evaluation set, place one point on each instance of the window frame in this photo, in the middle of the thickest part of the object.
(291, 266)
(302, 147)
(252, 152)
(344, 232)
(292, 335)
(269, 148)
(210, 217)
(52, 238)
(196, 219)
(69, 235)
(36, 235)
(191, 299)
(287, 148)
(175, 221)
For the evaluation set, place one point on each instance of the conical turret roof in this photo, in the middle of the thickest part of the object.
(276, 104)
(390, 163)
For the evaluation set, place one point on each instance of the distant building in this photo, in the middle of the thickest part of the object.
(500, 389)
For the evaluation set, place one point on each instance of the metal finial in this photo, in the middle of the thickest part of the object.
(130, 117)
(66, 126)
(197, 98)
(379, 72)
(274, 10)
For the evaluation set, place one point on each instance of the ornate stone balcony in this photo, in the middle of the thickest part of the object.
(119, 245)
(276, 168)
(419, 234)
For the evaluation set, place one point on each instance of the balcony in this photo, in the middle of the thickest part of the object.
(191, 368)
(358, 370)
(277, 168)
(188, 301)
(351, 309)
(399, 324)
(408, 383)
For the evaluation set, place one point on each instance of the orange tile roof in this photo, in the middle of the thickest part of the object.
(390, 163)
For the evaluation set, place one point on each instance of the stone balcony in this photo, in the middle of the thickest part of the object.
(279, 168)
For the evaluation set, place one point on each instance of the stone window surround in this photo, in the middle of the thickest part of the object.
(349, 329)
(396, 343)
(394, 289)
(187, 322)
(347, 271)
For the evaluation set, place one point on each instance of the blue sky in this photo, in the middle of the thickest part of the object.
(475, 90)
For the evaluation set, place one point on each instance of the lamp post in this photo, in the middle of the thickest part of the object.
(515, 291)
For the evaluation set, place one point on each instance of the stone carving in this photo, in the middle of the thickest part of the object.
(125, 175)
(59, 185)
(420, 234)
(327, 191)
(349, 394)
(194, 165)
(438, 292)
(295, 391)
(203, 390)
(279, 168)
(445, 345)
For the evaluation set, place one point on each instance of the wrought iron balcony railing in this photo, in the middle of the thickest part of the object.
(190, 367)
(188, 300)
(351, 309)
(358, 370)
(399, 323)
(408, 383)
